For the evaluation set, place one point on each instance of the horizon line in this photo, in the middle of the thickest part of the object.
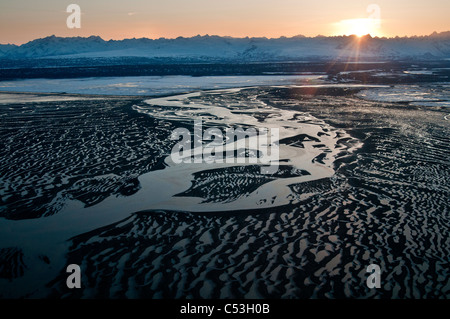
(231, 37)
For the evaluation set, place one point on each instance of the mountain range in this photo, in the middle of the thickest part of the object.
(204, 48)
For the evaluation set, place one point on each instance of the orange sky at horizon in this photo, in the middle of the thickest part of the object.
(22, 21)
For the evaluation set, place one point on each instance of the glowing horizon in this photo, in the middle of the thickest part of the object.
(22, 21)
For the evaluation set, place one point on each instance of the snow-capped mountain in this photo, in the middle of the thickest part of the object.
(434, 46)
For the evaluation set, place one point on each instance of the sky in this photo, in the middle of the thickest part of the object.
(23, 20)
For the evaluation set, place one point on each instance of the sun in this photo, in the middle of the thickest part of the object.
(358, 27)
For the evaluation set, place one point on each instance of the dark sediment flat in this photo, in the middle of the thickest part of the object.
(353, 71)
(387, 204)
(85, 150)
